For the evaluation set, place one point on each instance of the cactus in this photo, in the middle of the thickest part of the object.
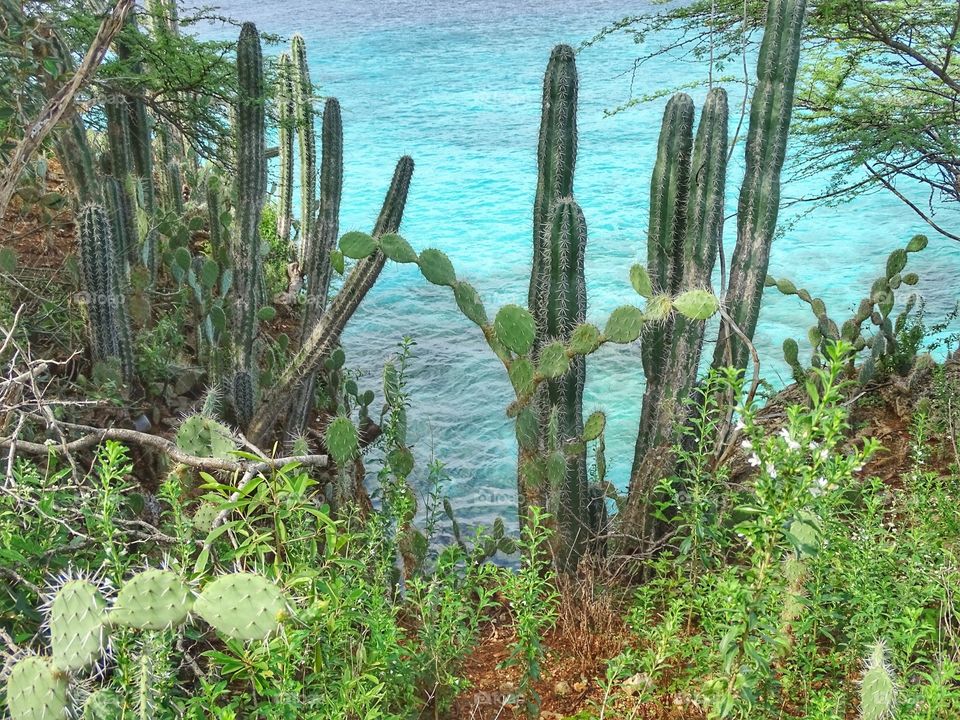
(36, 690)
(76, 156)
(251, 185)
(202, 436)
(556, 151)
(218, 242)
(174, 182)
(303, 113)
(152, 600)
(121, 221)
(686, 225)
(878, 688)
(325, 335)
(106, 301)
(77, 626)
(766, 144)
(562, 306)
(141, 145)
(285, 114)
(317, 249)
(341, 440)
(242, 606)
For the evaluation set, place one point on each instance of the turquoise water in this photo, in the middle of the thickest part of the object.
(457, 85)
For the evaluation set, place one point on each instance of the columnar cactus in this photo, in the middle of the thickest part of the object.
(303, 112)
(73, 148)
(141, 146)
(285, 113)
(686, 226)
(251, 186)
(561, 307)
(326, 333)
(105, 287)
(556, 149)
(317, 249)
(766, 146)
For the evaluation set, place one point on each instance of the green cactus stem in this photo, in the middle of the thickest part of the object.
(556, 150)
(759, 204)
(303, 113)
(285, 113)
(251, 186)
(325, 336)
(105, 290)
(317, 249)
(562, 306)
(679, 341)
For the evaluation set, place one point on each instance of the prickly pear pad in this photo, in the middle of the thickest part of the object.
(152, 600)
(36, 691)
(242, 606)
(77, 626)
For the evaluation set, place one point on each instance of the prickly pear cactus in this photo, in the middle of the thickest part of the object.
(204, 437)
(341, 440)
(152, 600)
(36, 690)
(878, 688)
(102, 705)
(78, 632)
(242, 606)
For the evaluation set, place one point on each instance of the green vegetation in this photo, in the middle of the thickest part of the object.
(207, 513)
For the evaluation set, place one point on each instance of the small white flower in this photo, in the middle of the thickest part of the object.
(771, 471)
(746, 445)
(754, 461)
(739, 425)
(822, 481)
(824, 454)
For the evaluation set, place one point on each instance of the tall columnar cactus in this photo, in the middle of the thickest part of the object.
(174, 183)
(303, 111)
(141, 145)
(318, 247)
(105, 287)
(121, 219)
(770, 111)
(73, 149)
(686, 226)
(251, 186)
(325, 335)
(561, 307)
(766, 146)
(556, 150)
(285, 113)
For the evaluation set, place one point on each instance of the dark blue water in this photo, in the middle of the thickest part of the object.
(457, 86)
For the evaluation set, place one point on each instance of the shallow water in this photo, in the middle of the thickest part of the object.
(456, 84)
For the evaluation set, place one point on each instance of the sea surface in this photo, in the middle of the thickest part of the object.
(457, 85)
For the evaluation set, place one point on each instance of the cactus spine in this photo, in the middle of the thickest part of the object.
(317, 248)
(303, 111)
(766, 146)
(285, 112)
(105, 286)
(251, 185)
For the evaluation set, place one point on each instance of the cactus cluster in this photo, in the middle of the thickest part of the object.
(241, 606)
(303, 121)
(876, 307)
(546, 453)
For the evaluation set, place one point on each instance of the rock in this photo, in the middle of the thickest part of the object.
(561, 688)
(636, 684)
